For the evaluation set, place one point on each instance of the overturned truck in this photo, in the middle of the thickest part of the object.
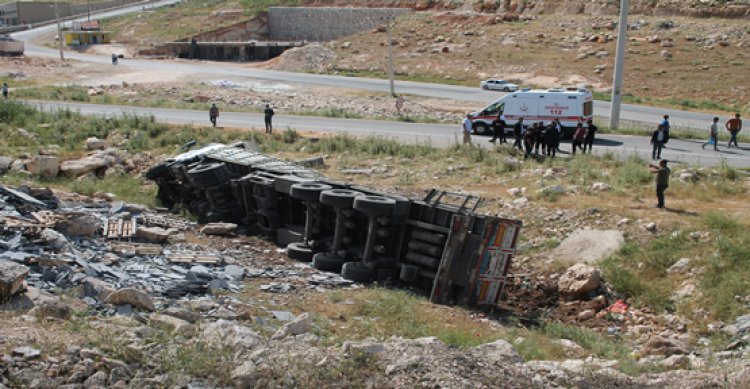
(438, 245)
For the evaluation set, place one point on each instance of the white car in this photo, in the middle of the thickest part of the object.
(502, 85)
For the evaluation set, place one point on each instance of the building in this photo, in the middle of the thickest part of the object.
(78, 38)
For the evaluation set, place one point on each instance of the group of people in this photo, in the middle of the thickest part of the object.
(213, 115)
(734, 126)
(532, 139)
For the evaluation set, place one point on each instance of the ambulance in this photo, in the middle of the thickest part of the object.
(571, 106)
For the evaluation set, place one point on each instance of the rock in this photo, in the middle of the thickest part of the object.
(588, 246)
(95, 143)
(96, 163)
(300, 325)
(586, 314)
(659, 345)
(11, 279)
(667, 43)
(219, 229)
(188, 316)
(666, 54)
(96, 288)
(685, 291)
(601, 186)
(135, 297)
(675, 362)
(5, 164)
(26, 352)
(742, 325)
(153, 234)
(558, 189)
(601, 54)
(173, 325)
(97, 380)
(234, 272)
(650, 227)
(52, 308)
(520, 202)
(226, 333)
(515, 192)
(243, 375)
(688, 177)
(499, 351)
(79, 225)
(365, 348)
(578, 279)
(46, 166)
(681, 266)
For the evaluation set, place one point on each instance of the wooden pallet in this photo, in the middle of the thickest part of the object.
(47, 218)
(137, 248)
(24, 228)
(185, 256)
(119, 228)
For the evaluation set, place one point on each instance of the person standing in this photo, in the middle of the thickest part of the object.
(466, 127)
(662, 180)
(528, 140)
(734, 126)
(665, 127)
(558, 127)
(552, 138)
(213, 114)
(498, 129)
(713, 135)
(590, 134)
(268, 116)
(518, 134)
(657, 141)
(539, 138)
(5, 90)
(578, 137)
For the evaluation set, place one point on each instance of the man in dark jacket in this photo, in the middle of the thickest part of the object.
(498, 129)
(662, 180)
(268, 116)
(552, 139)
(589, 139)
(213, 113)
(528, 140)
(657, 141)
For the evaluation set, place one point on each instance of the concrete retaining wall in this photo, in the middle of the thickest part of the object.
(325, 23)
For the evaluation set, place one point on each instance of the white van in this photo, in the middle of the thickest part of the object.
(571, 106)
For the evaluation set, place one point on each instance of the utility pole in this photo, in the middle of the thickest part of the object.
(622, 36)
(89, 11)
(388, 20)
(59, 32)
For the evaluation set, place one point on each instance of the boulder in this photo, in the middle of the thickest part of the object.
(578, 279)
(135, 297)
(219, 229)
(95, 143)
(95, 163)
(79, 225)
(244, 375)
(52, 308)
(97, 380)
(11, 279)
(588, 246)
(666, 54)
(600, 186)
(742, 324)
(659, 345)
(364, 348)
(515, 192)
(499, 351)
(681, 266)
(46, 166)
(153, 234)
(300, 325)
(226, 333)
(173, 325)
(96, 288)
(5, 164)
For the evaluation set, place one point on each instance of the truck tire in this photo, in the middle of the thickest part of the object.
(284, 183)
(328, 261)
(408, 273)
(423, 260)
(374, 205)
(209, 174)
(300, 252)
(339, 198)
(481, 128)
(355, 271)
(308, 191)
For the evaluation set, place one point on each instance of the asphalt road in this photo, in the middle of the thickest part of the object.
(439, 135)
(635, 113)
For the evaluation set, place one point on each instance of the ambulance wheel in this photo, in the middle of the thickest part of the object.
(481, 129)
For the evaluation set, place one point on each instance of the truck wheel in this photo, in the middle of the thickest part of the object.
(328, 261)
(299, 252)
(210, 174)
(481, 129)
(357, 272)
(408, 273)
(309, 191)
(339, 198)
(374, 205)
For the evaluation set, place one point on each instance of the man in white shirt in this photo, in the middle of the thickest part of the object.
(466, 126)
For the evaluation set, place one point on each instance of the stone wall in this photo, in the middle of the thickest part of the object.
(324, 23)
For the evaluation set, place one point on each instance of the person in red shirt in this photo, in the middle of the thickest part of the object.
(734, 126)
